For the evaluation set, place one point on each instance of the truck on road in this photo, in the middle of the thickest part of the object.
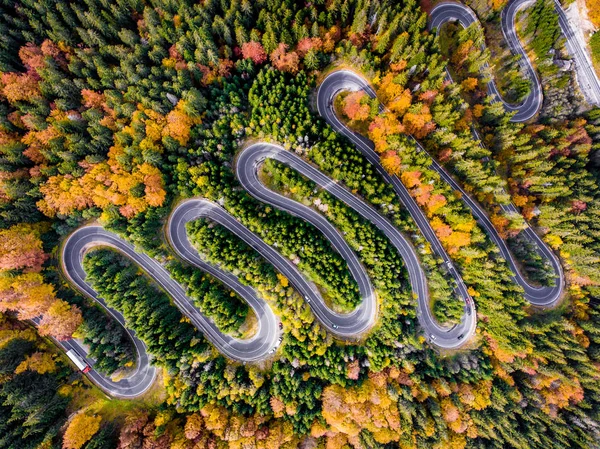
(78, 361)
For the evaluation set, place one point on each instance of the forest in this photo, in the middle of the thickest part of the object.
(111, 113)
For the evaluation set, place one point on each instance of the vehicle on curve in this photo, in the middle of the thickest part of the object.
(78, 361)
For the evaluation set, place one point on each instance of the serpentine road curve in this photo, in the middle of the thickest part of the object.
(539, 296)
(587, 78)
(255, 348)
(345, 325)
(450, 11)
(247, 172)
(342, 80)
(135, 384)
(142, 378)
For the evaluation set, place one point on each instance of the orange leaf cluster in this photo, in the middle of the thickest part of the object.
(254, 51)
(21, 248)
(283, 60)
(20, 87)
(40, 362)
(501, 223)
(451, 239)
(411, 178)
(109, 183)
(80, 430)
(461, 54)
(331, 37)
(419, 124)
(30, 297)
(307, 44)
(391, 162)
(356, 106)
(178, 124)
(395, 97)
(469, 84)
(102, 186)
(60, 320)
(436, 202)
(348, 411)
(382, 126)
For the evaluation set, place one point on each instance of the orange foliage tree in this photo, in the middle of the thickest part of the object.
(20, 86)
(469, 84)
(60, 320)
(462, 53)
(133, 187)
(391, 162)
(21, 248)
(284, 60)
(40, 362)
(436, 202)
(27, 294)
(419, 124)
(349, 411)
(254, 51)
(394, 96)
(178, 124)
(356, 106)
(382, 126)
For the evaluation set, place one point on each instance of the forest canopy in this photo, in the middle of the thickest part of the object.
(112, 112)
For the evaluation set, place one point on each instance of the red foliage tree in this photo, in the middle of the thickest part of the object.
(254, 51)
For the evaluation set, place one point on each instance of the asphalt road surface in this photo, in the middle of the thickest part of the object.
(346, 325)
(450, 12)
(576, 47)
(586, 75)
(135, 384)
(142, 378)
(346, 80)
(258, 347)
(349, 325)
(247, 167)
(445, 12)
(539, 296)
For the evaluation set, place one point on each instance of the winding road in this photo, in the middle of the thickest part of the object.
(142, 378)
(135, 384)
(346, 325)
(255, 348)
(449, 12)
(247, 172)
(586, 75)
(539, 296)
(342, 80)
(446, 12)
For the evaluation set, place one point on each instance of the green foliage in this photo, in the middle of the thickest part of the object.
(227, 310)
(595, 46)
(542, 26)
(535, 267)
(174, 342)
(102, 82)
(31, 409)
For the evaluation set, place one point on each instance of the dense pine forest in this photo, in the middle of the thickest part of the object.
(113, 112)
